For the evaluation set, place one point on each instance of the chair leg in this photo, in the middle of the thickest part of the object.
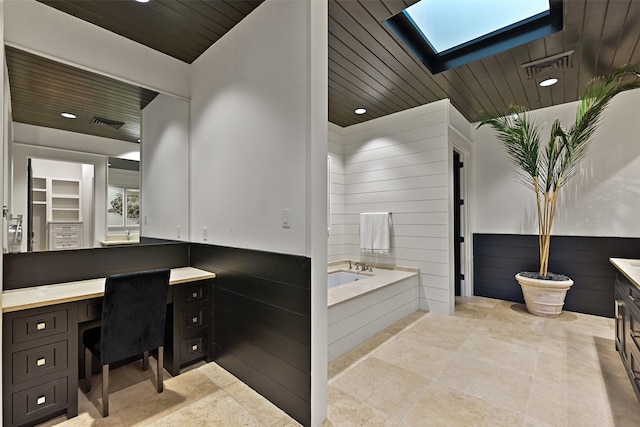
(105, 390)
(145, 360)
(88, 356)
(160, 368)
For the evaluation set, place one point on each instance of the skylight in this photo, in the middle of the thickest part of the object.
(445, 24)
(448, 33)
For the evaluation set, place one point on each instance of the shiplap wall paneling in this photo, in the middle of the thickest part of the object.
(336, 247)
(354, 321)
(399, 164)
(498, 257)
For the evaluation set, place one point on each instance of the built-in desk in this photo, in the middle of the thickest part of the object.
(41, 349)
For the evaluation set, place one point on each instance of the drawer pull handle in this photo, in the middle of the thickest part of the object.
(41, 325)
(41, 362)
(194, 295)
(194, 347)
(195, 319)
(41, 400)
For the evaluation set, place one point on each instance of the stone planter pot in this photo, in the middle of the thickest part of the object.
(544, 297)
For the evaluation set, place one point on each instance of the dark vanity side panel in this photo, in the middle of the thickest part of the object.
(262, 322)
(498, 257)
(28, 269)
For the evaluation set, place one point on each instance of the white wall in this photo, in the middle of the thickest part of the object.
(39, 28)
(259, 145)
(400, 164)
(165, 169)
(249, 118)
(602, 200)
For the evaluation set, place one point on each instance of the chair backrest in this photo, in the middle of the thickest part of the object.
(134, 311)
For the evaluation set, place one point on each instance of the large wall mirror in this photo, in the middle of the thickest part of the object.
(115, 171)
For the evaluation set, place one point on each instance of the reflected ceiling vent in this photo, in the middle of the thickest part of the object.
(106, 122)
(561, 61)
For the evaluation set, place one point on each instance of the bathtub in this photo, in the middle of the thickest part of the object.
(361, 304)
(339, 278)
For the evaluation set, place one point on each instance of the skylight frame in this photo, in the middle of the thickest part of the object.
(522, 32)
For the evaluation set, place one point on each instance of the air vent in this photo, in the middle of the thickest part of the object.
(561, 61)
(106, 122)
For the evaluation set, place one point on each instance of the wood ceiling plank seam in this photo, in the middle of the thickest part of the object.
(572, 35)
(365, 78)
(44, 68)
(226, 10)
(381, 68)
(76, 99)
(244, 7)
(591, 32)
(208, 9)
(554, 44)
(351, 41)
(378, 93)
(537, 51)
(515, 76)
(381, 12)
(441, 80)
(629, 43)
(388, 43)
(125, 22)
(472, 99)
(207, 28)
(612, 32)
(378, 10)
(339, 94)
(379, 48)
(346, 89)
(478, 92)
(502, 86)
(481, 74)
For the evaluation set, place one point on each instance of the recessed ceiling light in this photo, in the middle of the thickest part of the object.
(68, 115)
(548, 82)
(360, 110)
(142, 1)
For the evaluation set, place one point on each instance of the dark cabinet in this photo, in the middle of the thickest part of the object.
(188, 323)
(627, 318)
(39, 378)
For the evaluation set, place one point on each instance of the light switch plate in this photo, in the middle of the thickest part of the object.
(286, 218)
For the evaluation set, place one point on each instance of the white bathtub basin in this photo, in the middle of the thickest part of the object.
(341, 277)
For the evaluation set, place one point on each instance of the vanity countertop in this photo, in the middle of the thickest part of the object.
(629, 267)
(40, 296)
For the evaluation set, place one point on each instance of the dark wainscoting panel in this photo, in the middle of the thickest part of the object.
(26, 269)
(262, 322)
(498, 257)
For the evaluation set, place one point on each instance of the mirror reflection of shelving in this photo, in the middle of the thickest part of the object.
(65, 200)
(39, 209)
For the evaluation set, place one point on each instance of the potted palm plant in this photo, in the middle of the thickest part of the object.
(546, 168)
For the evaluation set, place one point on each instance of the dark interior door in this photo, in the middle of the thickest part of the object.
(457, 227)
(29, 207)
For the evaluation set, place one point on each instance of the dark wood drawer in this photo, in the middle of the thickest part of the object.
(193, 348)
(39, 361)
(194, 293)
(193, 319)
(30, 404)
(37, 326)
(90, 309)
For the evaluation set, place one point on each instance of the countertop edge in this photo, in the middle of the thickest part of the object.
(44, 295)
(630, 268)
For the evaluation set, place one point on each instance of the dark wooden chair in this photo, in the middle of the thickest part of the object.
(134, 310)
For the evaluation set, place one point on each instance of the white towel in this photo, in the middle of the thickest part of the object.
(374, 232)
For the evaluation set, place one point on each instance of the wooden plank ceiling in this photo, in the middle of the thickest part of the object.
(369, 67)
(42, 89)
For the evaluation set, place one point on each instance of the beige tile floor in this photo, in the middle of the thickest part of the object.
(491, 364)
